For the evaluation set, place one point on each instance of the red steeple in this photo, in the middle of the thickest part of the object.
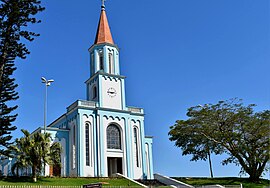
(103, 32)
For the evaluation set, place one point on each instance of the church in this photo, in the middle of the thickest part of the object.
(101, 135)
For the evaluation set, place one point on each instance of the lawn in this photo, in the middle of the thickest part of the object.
(225, 181)
(66, 181)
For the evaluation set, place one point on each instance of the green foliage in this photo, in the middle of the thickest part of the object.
(15, 16)
(7, 93)
(55, 154)
(35, 150)
(229, 127)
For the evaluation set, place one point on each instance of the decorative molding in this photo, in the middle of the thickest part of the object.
(97, 46)
(112, 117)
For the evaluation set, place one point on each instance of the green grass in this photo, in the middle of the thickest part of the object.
(66, 181)
(124, 182)
(224, 181)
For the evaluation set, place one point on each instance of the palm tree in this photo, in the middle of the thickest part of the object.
(16, 166)
(34, 150)
(18, 151)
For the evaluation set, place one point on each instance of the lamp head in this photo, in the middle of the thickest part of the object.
(43, 80)
(48, 83)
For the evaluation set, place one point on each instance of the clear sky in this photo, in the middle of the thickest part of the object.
(175, 54)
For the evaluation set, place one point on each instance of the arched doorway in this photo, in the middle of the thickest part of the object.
(114, 164)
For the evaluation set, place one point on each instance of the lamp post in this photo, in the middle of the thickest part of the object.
(47, 83)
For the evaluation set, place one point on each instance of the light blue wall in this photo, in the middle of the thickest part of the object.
(60, 134)
(128, 132)
(143, 150)
(100, 101)
(105, 56)
(7, 162)
(79, 151)
(123, 94)
(128, 148)
(105, 48)
(102, 148)
(64, 133)
(149, 141)
(91, 113)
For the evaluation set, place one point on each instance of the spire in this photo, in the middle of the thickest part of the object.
(103, 4)
(103, 32)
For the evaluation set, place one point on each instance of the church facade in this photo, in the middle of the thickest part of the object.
(101, 135)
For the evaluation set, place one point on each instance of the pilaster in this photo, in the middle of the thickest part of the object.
(128, 148)
(102, 149)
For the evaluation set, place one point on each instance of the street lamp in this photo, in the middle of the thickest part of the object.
(47, 83)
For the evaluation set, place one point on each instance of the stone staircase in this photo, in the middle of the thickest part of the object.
(151, 183)
(171, 182)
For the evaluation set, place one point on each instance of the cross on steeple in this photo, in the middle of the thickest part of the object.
(103, 4)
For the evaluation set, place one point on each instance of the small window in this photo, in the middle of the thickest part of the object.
(135, 132)
(101, 62)
(111, 63)
(94, 92)
(113, 137)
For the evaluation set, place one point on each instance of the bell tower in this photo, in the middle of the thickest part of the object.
(104, 53)
(106, 85)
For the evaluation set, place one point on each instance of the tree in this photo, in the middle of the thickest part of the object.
(35, 150)
(230, 127)
(17, 166)
(7, 93)
(191, 143)
(15, 16)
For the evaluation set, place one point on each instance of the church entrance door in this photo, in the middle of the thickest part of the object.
(114, 165)
(55, 170)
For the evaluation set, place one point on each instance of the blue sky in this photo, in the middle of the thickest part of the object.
(175, 54)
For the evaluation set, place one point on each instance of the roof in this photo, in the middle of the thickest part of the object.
(103, 32)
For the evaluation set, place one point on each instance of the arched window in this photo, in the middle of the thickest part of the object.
(94, 92)
(74, 148)
(135, 132)
(111, 63)
(101, 63)
(87, 155)
(113, 137)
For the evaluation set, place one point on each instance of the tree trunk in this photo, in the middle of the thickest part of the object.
(253, 171)
(210, 164)
(34, 174)
(2, 65)
(254, 178)
(17, 171)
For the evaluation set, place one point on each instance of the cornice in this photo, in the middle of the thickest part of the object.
(102, 45)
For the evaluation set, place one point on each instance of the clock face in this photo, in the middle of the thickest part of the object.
(111, 92)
